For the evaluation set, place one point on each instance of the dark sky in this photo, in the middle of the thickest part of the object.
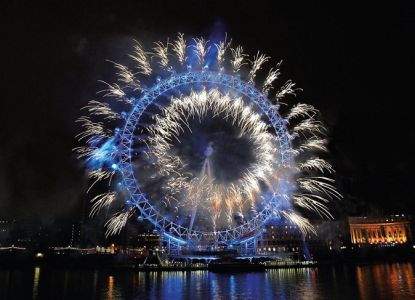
(354, 63)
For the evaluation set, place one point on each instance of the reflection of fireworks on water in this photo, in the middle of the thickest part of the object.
(277, 180)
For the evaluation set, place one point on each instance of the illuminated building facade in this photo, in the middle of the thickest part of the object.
(385, 230)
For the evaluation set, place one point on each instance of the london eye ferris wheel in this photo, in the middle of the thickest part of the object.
(195, 137)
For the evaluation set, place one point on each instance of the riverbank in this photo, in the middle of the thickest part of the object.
(75, 264)
(16, 258)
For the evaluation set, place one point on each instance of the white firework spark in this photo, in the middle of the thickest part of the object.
(117, 223)
(92, 130)
(101, 201)
(112, 90)
(273, 75)
(314, 144)
(313, 202)
(99, 175)
(222, 47)
(201, 49)
(179, 48)
(319, 185)
(101, 109)
(238, 58)
(316, 164)
(257, 62)
(310, 126)
(287, 89)
(124, 74)
(84, 152)
(161, 51)
(302, 110)
(302, 223)
(142, 60)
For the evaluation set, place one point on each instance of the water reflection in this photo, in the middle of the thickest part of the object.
(36, 282)
(383, 281)
(387, 281)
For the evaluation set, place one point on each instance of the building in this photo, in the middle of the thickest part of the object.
(148, 240)
(280, 237)
(330, 235)
(285, 239)
(75, 238)
(380, 230)
(6, 227)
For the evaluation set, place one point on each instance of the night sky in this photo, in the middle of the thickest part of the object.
(354, 63)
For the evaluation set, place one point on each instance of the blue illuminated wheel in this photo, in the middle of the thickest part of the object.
(201, 153)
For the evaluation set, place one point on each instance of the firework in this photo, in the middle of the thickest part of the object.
(161, 51)
(101, 109)
(142, 60)
(222, 47)
(201, 189)
(273, 75)
(156, 161)
(201, 49)
(257, 62)
(179, 48)
(101, 201)
(99, 175)
(238, 59)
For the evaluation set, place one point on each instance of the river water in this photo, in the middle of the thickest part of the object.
(378, 281)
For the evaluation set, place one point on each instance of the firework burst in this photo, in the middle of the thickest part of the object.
(202, 189)
(142, 153)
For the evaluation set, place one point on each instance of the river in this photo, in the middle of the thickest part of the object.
(377, 281)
